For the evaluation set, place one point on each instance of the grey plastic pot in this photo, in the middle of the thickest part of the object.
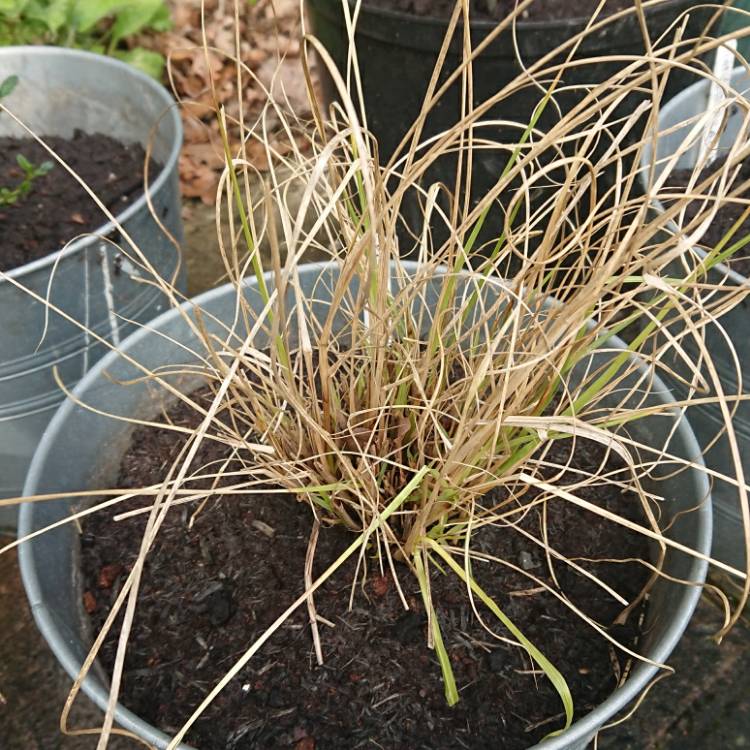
(706, 419)
(50, 562)
(92, 281)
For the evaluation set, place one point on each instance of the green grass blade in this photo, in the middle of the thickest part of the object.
(451, 691)
(552, 673)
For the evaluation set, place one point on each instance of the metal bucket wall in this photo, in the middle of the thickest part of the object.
(95, 282)
(49, 562)
(706, 420)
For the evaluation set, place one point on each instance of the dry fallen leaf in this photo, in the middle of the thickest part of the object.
(205, 153)
(198, 180)
(269, 36)
(286, 82)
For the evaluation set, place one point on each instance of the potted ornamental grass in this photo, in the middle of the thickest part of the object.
(68, 274)
(429, 502)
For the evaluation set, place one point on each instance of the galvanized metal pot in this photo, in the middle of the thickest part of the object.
(92, 281)
(706, 419)
(50, 562)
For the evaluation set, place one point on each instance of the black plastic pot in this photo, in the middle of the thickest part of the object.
(397, 53)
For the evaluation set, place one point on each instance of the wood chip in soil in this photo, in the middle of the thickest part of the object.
(210, 591)
(58, 209)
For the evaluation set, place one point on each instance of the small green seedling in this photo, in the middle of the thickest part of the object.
(10, 196)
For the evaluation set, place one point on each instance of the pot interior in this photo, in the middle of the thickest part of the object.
(60, 91)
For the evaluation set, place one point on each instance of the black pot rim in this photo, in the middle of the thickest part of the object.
(484, 25)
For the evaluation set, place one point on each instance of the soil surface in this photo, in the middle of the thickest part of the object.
(725, 218)
(57, 208)
(495, 10)
(210, 591)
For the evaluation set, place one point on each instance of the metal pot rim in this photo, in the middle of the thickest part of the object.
(170, 111)
(692, 91)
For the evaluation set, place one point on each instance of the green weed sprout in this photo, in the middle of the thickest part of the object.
(10, 196)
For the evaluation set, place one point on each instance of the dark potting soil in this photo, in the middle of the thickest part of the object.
(57, 208)
(724, 218)
(539, 10)
(210, 591)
